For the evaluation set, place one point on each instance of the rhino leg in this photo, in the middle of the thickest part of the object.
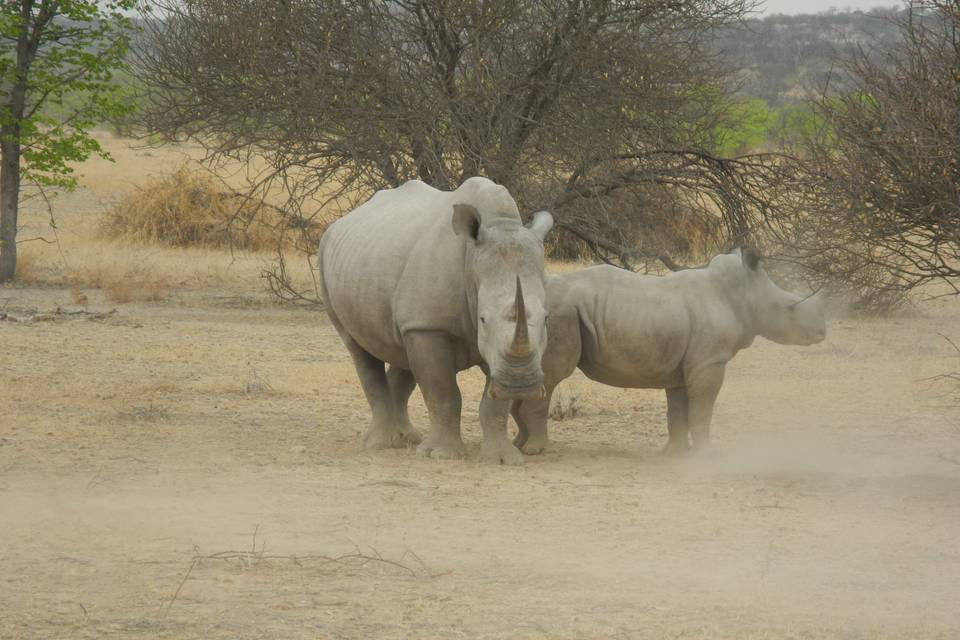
(531, 417)
(703, 385)
(383, 432)
(522, 433)
(402, 383)
(677, 422)
(433, 362)
(496, 447)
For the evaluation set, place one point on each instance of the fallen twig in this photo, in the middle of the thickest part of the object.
(948, 459)
(775, 505)
(253, 558)
(56, 314)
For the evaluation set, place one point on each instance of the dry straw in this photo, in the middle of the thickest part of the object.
(190, 209)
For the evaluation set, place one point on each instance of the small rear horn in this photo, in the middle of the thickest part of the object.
(819, 289)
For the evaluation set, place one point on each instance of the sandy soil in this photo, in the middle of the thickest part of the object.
(134, 445)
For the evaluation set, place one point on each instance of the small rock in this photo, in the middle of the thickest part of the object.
(298, 449)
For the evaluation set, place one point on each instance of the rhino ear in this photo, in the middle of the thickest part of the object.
(541, 224)
(751, 258)
(466, 220)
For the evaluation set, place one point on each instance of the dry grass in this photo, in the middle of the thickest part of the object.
(189, 208)
(129, 268)
(132, 272)
(135, 289)
(564, 406)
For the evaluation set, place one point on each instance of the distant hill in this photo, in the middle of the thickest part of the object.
(782, 58)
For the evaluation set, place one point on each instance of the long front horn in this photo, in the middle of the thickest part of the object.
(520, 347)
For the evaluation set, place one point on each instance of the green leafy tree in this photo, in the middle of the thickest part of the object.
(747, 127)
(57, 64)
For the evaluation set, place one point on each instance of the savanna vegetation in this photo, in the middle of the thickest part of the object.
(656, 135)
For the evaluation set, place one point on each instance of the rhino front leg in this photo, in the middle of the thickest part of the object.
(703, 385)
(677, 422)
(402, 383)
(496, 447)
(531, 417)
(432, 359)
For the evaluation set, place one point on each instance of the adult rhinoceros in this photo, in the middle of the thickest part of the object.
(433, 282)
(675, 332)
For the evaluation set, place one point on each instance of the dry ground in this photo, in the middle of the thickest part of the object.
(212, 420)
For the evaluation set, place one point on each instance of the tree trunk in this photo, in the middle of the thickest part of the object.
(9, 203)
(28, 41)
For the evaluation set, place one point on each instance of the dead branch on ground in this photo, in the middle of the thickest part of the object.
(357, 559)
(55, 315)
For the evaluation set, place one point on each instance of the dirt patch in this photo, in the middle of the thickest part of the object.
(133, 452)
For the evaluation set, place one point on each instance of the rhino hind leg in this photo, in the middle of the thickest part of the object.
(677, 422)
(531, 417)
(433, 363)
(523, 434)
(383, 432)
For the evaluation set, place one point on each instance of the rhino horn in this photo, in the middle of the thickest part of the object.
(520, 347)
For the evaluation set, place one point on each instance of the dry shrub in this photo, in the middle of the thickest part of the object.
(190, 209)
(564, 406)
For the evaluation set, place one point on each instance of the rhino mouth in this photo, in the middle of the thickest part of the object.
(498, 391)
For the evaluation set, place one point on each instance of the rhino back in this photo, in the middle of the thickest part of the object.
(635, 329)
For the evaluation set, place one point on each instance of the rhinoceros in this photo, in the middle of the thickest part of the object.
(431, 283)
(676, 332)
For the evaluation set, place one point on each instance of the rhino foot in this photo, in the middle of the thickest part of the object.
(675, 448)
(441, 448)
(502, 452)
(391, 438)
(532, 446)
(705, 450)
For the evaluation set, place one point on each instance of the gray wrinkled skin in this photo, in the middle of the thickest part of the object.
(675, 332)
(427, 282)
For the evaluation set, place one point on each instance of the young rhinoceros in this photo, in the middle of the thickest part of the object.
(434, 282)
(675, 332)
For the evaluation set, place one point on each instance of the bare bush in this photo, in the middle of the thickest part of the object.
(600, 110)
(883, 177)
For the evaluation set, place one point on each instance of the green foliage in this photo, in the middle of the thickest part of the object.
(74, 80)
(748, 126)
(752, 125)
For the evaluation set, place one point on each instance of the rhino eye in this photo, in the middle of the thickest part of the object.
(483, 320)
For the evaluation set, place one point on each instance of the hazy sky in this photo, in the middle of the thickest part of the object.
(816, 6)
